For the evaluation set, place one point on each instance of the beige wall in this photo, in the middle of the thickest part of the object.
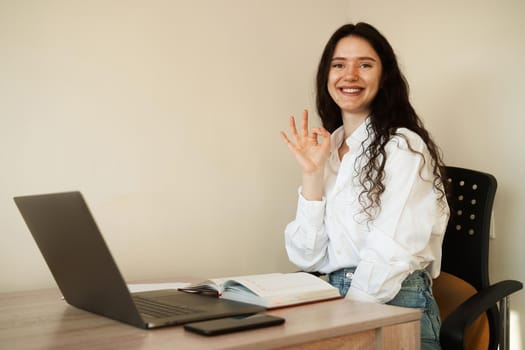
(165, 114)
(464, 62)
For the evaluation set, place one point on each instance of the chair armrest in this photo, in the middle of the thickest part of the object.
(455, 325)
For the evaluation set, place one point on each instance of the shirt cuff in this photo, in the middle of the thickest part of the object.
(357, 295)
(311, 216)
(310, 212)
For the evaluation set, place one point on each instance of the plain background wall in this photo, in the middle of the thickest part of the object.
(166, 114)
(464, 62)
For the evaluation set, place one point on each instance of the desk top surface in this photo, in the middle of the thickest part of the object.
(42, 320)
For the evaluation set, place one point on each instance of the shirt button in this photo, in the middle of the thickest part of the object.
(349, 275)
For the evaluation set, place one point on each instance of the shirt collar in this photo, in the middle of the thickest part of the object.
(354, 141)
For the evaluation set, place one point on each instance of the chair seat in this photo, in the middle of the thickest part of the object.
(450, 292)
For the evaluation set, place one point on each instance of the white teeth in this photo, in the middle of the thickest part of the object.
(352, 90)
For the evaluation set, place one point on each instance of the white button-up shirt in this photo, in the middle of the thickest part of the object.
(405, 235)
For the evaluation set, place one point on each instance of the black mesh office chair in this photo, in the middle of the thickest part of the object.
(470, 195)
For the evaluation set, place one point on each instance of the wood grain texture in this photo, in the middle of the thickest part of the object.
(41, 320)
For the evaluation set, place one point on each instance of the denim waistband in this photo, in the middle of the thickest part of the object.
(347, 273)
(342, 279)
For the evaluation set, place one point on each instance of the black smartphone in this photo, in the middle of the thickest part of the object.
(233, 324)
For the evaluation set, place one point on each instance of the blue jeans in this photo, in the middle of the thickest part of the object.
(416, 292)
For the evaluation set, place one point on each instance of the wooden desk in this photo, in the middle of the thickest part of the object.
(41, 320)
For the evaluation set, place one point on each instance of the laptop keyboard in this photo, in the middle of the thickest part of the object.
(157, 309)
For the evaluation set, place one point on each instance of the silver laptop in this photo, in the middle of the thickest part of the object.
(88, 277)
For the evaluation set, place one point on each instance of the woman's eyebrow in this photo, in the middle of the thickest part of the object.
(362, 58)
(366, 58)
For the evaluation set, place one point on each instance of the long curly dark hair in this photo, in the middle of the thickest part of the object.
(390, 110)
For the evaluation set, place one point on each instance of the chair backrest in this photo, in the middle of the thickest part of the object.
(470, 195)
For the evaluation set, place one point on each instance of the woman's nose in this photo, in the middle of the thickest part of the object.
(351, 73)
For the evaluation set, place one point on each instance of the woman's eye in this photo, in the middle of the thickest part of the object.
(366, 65)
(337, 65)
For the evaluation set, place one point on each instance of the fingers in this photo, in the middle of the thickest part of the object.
(288, 143)
(293, 129)
(304, 126)
(315, 133)
(322, 131)
(312, 135)
(319, 131)
(285, 138)
(305, 123)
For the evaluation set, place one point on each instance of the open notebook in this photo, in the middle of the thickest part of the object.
(270, 290)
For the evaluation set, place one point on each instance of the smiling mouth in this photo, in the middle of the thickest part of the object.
(351, 90)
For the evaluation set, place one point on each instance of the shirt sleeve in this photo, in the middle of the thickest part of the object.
(399, 237)
(305, 237)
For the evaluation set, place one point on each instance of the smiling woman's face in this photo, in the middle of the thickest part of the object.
(355, 76)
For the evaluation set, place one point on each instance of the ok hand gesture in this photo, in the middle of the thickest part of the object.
(311, 153)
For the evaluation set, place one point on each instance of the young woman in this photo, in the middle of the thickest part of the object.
(372, 210)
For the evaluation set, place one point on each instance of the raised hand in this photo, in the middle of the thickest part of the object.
(310, 151)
